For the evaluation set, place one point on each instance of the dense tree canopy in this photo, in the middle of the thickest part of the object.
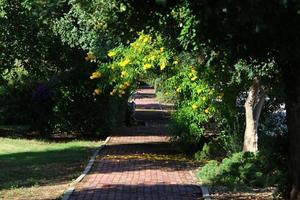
(210, 58)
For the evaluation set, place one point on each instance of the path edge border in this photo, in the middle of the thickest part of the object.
(205, 192)
(68, 192)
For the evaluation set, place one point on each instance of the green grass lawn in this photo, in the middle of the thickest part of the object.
(33, 169)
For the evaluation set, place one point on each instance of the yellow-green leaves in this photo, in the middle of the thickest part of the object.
(124, 62)
(146, 56)
(111, 54)
(147, 66)
(96, 75)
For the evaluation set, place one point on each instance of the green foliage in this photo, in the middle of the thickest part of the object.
(220, 147)
(16, 26)
(201, 107)
(76, 109)
(2, 9)
(48, 89)
(205, 154)
(162, 91)
(205, 54)
(93, 26)
(188, 25)
(15, 104)
(242, 170)
(145, 57)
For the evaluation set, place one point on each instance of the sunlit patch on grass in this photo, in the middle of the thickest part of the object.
(33, 169)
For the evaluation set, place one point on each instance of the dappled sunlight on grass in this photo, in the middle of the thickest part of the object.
(9, 146)
(30, 165)
(36, 192)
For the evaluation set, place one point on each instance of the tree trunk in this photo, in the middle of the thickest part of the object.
(292, 80)
(253, 106)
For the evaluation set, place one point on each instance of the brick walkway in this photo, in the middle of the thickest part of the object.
(139, 163)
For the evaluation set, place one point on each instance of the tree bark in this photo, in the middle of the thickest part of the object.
(253, 106)
(292, 80)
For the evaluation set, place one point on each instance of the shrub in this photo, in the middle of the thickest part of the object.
(220, 147)
(15, 104)
(193, 122)
(211, 150)
(242, 170)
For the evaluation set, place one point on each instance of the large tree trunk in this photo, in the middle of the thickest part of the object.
(253, 106)
(292, 80)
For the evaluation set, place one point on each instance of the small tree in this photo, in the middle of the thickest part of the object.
(258, 29)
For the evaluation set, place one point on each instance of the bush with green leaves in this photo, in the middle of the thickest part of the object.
(127, 65)
(76, 109)
(47, 89)
(199, 104)
(243, 170)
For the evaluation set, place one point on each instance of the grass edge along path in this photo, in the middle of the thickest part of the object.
(34, 169)
(68, 192)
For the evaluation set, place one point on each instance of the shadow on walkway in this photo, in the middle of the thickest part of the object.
(149, 192)
(140, 163)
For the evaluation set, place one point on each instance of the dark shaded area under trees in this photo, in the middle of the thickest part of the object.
(219, 57)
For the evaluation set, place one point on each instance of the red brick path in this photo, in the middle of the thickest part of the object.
(140, 164)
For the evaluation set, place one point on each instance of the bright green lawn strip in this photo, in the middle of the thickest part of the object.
(26, 163)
